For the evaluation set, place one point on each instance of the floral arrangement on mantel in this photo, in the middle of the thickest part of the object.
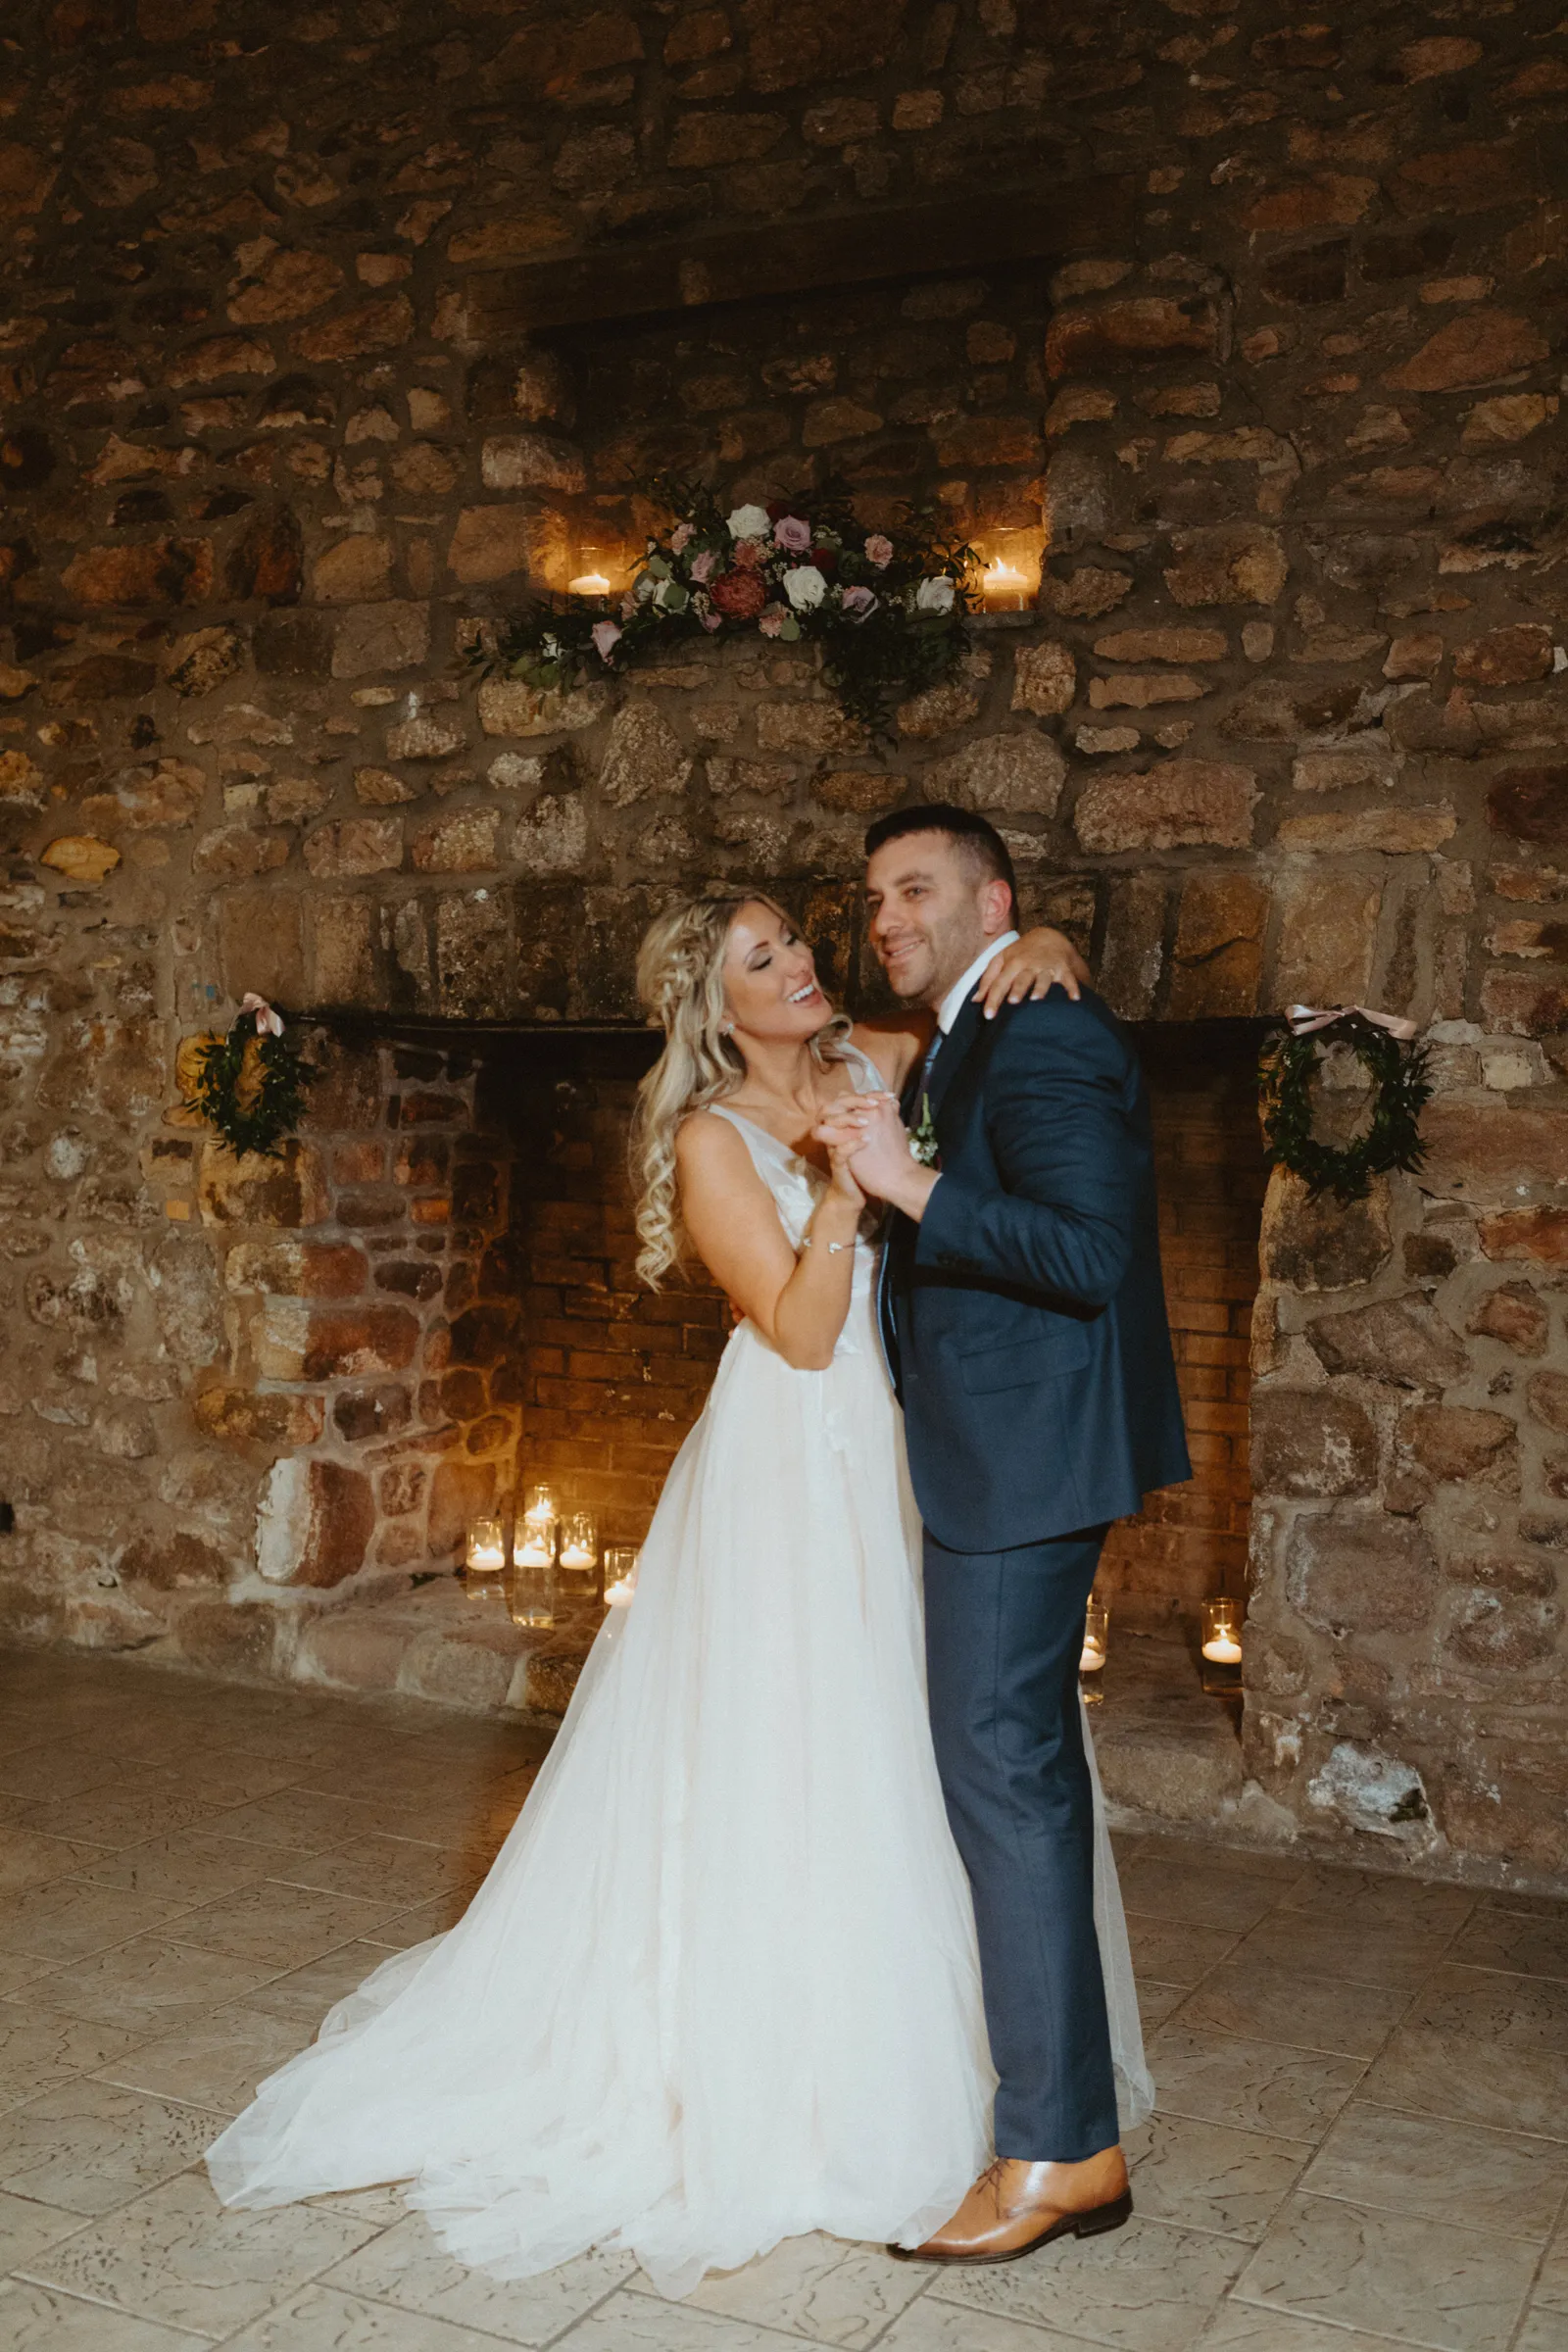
(249, 1086)
(889, 608)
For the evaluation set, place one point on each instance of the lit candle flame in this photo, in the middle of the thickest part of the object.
(589, 583)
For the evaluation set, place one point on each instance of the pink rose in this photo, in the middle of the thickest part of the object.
(709, 618)
(749, 555)
(791, 532)
(859, 603)
(879, 551)
(606, 636)
(771, 621)
(701, 566)
(680, 537)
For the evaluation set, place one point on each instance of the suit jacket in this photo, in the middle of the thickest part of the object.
(1024, 1316)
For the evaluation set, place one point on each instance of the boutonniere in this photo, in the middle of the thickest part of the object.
(923, 1145)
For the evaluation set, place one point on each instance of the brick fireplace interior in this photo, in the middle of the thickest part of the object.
(328, 334)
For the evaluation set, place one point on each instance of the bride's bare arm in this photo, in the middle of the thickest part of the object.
(1041, 960)
(799, 1304)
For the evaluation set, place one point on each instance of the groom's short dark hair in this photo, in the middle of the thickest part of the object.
(977, 839)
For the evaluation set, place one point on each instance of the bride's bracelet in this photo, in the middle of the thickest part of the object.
(833, 1247)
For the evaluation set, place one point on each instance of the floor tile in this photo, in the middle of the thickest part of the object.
(384, 2206)
(1322, 1943)
(1551, 2283)
(1157, 2001)
(1423, 2282)
(51, 1770)
(309, 1992)
(1368, 1899)
(177, 2255)
(89, 2146)
(1481, 2047)
(71, 1918)
(1198, 1892)
(407, 2267)
(931, 2326)
(1529, 1946)
(1251, 2328)
(1173, 1953)
(821, 2288)
(405, 1928)
(280, 1924)
(1258, 2086)
(39, 2319)
(1211, 2176)
(149, 1985)
(323, 2319)
(1147, 2288)
(1543, 2331)
(1442, 2172)
(26, 2228)
(27, 1859)
(381, 1866)
(216, 2061)
(636, 2323)
(39, 2046)
(297, 1821)
(1270, 2003)
(125, 1812)
(193, 1866)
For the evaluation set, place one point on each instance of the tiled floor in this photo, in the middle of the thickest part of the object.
(1362, 2133)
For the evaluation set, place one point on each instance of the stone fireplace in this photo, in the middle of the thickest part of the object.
(322, 348)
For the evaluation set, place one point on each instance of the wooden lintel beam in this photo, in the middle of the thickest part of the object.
(994, 229)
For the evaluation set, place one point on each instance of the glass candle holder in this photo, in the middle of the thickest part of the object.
(622, 1561)
(579, 1556)
(1220, 1646)
(533, 1563)
(1092, 1659)
(486, 1553)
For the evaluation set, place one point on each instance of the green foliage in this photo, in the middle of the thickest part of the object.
(250, 1090)
(1393, 1140)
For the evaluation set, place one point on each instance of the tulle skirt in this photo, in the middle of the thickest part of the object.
(720, 1986)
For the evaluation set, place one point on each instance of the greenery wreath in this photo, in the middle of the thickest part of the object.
(250, 1086)
(889, 608)
(1393, 1140)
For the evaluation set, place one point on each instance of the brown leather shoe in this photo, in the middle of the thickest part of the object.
(1015, 2208)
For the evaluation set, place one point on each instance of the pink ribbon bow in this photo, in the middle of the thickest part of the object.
(266, 1020)
(1304, 1018)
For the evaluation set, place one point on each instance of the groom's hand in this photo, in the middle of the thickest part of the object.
(882, 1163)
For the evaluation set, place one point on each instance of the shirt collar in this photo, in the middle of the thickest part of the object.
(953, 1002)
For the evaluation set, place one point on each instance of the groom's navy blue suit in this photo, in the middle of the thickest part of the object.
(1024, 1321)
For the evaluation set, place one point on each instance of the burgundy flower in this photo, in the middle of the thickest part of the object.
(825, 558)
(741, 595)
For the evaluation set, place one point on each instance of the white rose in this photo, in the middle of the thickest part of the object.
(935, 595)
(805, 587)
(749, 522)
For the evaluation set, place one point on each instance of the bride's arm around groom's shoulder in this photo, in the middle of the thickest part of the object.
(1053, 1202)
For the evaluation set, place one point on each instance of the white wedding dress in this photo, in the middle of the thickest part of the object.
(720, 1986)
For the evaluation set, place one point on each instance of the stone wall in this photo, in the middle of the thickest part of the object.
(1288, 722)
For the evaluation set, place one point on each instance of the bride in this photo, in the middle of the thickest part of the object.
(720, 1987)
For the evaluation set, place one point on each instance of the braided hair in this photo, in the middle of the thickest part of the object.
(680, 982)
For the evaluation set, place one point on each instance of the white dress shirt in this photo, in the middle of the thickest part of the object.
(953, 1002)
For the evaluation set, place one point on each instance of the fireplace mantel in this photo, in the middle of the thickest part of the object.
(996, 229)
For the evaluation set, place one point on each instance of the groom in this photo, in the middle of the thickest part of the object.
(1024, 1321)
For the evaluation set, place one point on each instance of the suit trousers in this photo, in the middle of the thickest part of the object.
(1004, 1635)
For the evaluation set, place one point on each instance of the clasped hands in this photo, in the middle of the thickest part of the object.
(869, 1144)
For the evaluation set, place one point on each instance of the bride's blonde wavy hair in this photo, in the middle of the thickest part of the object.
(680, 982)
